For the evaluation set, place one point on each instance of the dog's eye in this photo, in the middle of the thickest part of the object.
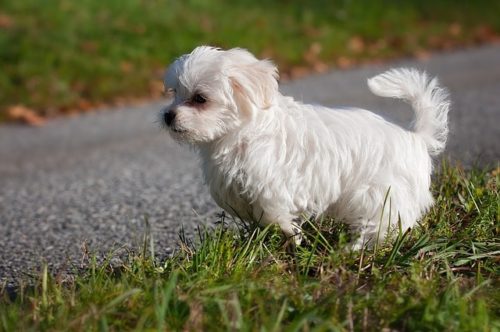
(198, 99)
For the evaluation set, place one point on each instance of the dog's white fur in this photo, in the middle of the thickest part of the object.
(271, 159)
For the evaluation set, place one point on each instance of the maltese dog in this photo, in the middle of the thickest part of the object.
(270, 159)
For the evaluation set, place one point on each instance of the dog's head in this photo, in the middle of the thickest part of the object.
(215, 91)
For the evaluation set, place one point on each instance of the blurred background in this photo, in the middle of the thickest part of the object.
(92, 181)
(65, 56)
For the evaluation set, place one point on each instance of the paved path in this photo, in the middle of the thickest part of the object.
(95, 177)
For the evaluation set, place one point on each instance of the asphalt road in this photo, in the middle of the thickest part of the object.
(95, 177)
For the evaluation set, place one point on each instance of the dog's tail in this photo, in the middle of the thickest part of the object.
(429, 101)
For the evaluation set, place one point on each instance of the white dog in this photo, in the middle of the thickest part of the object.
(273, 160)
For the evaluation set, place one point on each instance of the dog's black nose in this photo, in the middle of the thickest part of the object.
(169, 117)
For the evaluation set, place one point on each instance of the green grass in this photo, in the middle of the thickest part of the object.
(60, 55)
(442, 276)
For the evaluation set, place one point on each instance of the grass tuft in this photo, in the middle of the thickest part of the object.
(443, 275)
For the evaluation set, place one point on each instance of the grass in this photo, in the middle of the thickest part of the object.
(442, 276)
(63, 55)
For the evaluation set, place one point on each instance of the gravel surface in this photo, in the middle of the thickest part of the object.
(94, 178)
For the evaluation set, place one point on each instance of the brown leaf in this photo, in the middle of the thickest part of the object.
(435, 41)
(140, 29)
(422, 54)
(320, 67)
(484, 33)
(156, 88)
(344, 62)
(356, 44)
(297, 72)
(311, 55)
(85, 105)
(6, 21)
(126, 66)
(206, 24)
(378, 46)
(89, 46)
(495, 172)
(455, 29)
(267, 53)
(25, 115)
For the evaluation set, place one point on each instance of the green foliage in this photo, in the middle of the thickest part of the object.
(63, 54)
(442, 276)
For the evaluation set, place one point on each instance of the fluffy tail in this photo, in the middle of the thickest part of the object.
(429, 101)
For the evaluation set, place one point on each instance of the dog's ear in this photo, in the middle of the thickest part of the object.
(254, 82)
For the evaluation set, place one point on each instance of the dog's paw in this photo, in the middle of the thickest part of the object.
(297, 238)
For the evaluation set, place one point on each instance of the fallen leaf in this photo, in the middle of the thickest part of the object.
(156, 88)
(6, 21)
(422, 54)
(85, 105)
(455, 29)
(126, 66)
(206, 24)
(484, 33)
(140, 29)
(435, 41)
(378, 46)
(320, 67)
(311, 55)
(356, 44)
(344, 62)
(25, 115)
(495, 172)
(297, 72)
(267, 53)
(89, 46)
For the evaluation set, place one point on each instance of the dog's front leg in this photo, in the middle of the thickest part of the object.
(289, 224)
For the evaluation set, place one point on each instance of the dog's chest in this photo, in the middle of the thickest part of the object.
(227, 190)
